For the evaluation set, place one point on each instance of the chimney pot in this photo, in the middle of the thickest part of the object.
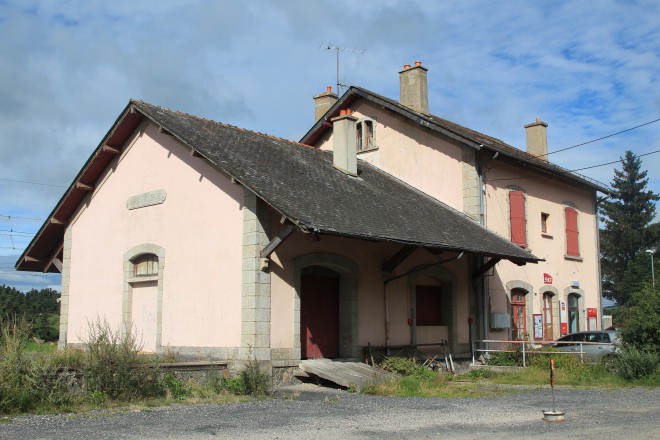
(418, 63)
(406, 66)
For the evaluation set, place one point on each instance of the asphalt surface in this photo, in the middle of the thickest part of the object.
(310, 412)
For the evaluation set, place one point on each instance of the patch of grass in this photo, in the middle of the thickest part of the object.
(40, 347)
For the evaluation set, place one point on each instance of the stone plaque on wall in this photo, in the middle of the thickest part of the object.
(146, 199)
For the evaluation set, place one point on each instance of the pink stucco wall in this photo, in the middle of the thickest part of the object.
(543, 195)
(198, 225)
(412, 154)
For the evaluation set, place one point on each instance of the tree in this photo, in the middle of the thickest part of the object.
(642, 319)
(627, 232)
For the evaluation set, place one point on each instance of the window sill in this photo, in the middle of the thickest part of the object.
(546, 235)
(367, 150)
(573, 258)
(146, 279)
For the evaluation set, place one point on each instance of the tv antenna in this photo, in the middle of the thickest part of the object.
(337, 49)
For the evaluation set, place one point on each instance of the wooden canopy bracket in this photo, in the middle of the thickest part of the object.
(195, 153)
(54, 260)
(398, 258)
(109, 149)
(485, 268)
(84, 187)
(278, 240)
(55, 221)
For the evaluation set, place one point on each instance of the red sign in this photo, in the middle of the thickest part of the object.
(592, 312)
(564, 328)
(547, 279)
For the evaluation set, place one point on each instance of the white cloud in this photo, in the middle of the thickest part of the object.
(69, 67)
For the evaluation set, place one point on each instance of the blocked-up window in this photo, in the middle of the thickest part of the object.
(517, 218)
(572, 234)
(428, 305)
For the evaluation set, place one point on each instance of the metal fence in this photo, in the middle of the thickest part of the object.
(527, 347)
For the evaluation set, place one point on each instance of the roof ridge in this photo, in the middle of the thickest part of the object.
(213, 121)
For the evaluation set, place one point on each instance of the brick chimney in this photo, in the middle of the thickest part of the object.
(344, 153)
(537, 139)
(414, 89)
(323, 102)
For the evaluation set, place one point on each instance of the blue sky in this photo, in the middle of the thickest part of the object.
(588, 69)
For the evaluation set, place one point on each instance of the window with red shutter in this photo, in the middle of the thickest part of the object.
(572, 244)
(517, 218)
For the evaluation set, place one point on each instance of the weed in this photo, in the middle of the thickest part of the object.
(256, 382)
(111, 365)
(174, 388)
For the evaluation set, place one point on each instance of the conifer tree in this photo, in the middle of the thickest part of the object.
(627, 230)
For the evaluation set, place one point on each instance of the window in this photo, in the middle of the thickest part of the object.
(572, 243)
(545, 223)
(428, 305)
(365, 135)
(517, 218)
(518, 309)
(145, 265)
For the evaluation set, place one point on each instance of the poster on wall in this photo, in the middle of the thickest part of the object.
(538, 326)
(592, 315)
(563, 318)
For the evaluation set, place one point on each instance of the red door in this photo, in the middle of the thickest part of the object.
(319, 317)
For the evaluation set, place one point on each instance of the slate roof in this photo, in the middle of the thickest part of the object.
(301, 183)
(453, 131)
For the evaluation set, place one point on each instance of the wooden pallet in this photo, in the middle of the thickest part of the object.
(346, 373)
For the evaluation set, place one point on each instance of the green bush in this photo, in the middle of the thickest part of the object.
(111, 365)
(633, 363)
(174, 388)
(642, 320)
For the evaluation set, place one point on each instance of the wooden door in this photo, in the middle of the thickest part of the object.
(319, 316)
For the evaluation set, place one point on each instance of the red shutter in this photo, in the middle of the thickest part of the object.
(518, 222)
(572, 246)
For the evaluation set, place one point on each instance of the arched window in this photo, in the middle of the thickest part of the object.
(364, 130)
(145, 265)
(519, 314)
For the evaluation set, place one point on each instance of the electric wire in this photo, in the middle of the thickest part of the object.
(601, 138)
(32, 183)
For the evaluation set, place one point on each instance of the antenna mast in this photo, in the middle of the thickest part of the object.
(337, 49)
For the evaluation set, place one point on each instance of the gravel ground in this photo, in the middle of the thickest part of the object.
(307, 411)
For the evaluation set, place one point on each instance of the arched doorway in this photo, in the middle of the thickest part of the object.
(348, 344)
(573, 313)
(548, 321)
(319, 313)
(519, 315)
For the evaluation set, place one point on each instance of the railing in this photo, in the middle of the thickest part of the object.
(527, 346)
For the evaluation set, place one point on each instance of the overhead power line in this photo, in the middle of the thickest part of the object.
(601, 138)
(578, 169)
(22, 218)
(32, 183)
